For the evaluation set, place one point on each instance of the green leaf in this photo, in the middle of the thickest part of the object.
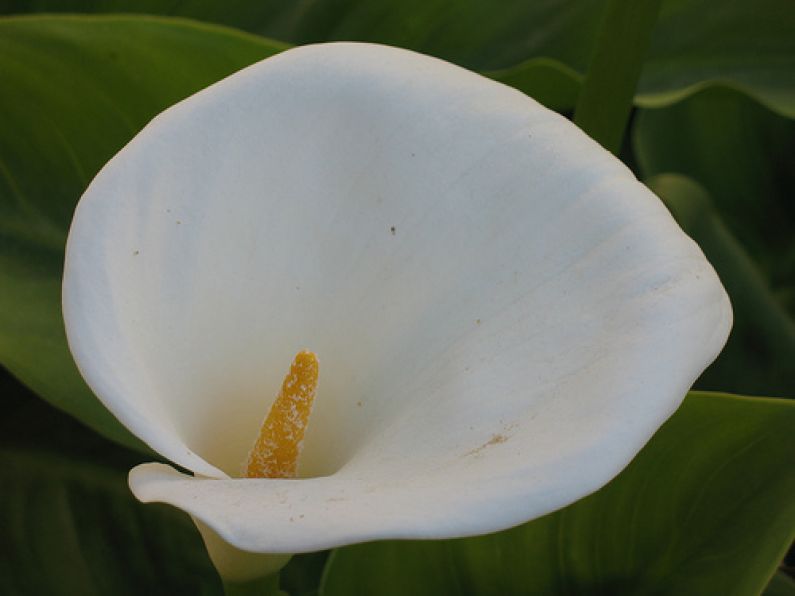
(605, 101)
(745, 43)
(761, 348)
(301, 576)
(480, 34)
(549, 82)
(73, 91)
(744, 155)
(705, 508)
(70, 524)
(780, 585)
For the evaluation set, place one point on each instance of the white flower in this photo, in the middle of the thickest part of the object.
(503, 314)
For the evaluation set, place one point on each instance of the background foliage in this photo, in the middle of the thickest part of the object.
(706, 508)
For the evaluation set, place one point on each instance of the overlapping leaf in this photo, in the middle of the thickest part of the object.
(705, 508)
(781, 585)
(70, 524)
(761, 348)
(73, 91)
(745, 43)
(743, 155)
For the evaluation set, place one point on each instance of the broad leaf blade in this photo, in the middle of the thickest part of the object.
(780, 585)
(73, 91)
(480, 34)
(744, 43)
(743, 155)
(549, 82)
(705, 508)
(71, 525)
(761, 349)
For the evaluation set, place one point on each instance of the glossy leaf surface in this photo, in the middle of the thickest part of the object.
(745, 43)
(73, 91)
(705, 508)
(761, 348)
(742, 154)
(70, 524)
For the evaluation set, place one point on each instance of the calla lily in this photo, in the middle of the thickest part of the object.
(502, 313)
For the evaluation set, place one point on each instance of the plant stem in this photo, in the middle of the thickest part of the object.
(605, 101)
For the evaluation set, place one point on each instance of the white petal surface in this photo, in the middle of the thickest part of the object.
(502, 313)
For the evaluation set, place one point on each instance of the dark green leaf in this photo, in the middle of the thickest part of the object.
(705, 508)
(780, 585)
(744, 155)
(746, 43)
(301, 576)
(605, 101)
(73, 91)
(549, 82)
(480, 34)
(761, 348)
(70, 524)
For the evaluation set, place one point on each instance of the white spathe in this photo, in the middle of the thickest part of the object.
(503, 314)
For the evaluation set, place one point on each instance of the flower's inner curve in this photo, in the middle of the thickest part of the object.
(276, 451)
